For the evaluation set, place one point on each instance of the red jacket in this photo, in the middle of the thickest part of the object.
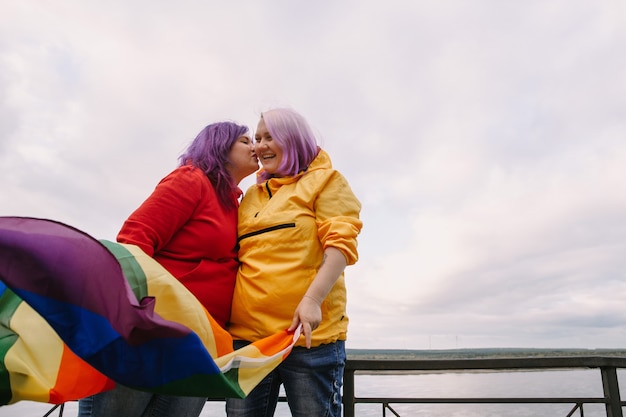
(184, 227)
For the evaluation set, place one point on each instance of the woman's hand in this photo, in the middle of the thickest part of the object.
(309, 313)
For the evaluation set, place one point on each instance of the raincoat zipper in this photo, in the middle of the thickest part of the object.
(265, 230)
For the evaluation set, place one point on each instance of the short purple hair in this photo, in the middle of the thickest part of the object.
(295, 137)
(209, 152)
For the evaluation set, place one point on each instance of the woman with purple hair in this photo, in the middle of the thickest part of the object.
(189, 225)
(297, 232)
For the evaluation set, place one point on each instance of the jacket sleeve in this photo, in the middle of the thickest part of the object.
(164, 212)
(337, 212)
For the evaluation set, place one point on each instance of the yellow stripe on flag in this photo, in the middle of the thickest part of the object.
(33, 361)
(174, 302)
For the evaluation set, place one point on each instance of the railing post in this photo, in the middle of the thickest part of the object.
(611, 392)
(348, 393)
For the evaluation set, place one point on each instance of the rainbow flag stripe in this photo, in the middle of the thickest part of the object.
(78, 315)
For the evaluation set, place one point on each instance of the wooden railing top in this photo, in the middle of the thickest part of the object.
(482, 359)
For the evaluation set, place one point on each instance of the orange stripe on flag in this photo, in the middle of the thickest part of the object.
(77, 379)
(222, 339)
(272, 344)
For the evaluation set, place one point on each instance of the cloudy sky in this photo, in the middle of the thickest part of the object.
(486, 140)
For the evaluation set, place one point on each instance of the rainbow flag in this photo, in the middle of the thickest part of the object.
(78, 315)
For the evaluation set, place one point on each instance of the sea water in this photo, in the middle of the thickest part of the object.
(562, 383)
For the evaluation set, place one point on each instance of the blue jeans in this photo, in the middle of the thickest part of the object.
(312, 379)
(126, 402)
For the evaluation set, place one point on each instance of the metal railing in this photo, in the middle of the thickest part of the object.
(502, 360)
(468, 360)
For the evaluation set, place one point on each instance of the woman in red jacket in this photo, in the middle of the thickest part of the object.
(189, 225)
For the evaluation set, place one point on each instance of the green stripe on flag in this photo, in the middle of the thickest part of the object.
(9, 302)
(130, 267)
(215, 386)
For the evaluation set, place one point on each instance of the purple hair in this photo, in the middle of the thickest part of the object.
(295, 137)
(209, 152)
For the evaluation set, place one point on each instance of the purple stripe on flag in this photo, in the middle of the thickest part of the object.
(59, 262)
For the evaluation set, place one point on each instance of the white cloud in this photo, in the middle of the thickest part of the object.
(485, 140)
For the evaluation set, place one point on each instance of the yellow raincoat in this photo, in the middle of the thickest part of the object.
(284, 226)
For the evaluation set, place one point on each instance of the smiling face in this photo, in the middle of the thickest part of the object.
(267, 150)
(243, 161)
